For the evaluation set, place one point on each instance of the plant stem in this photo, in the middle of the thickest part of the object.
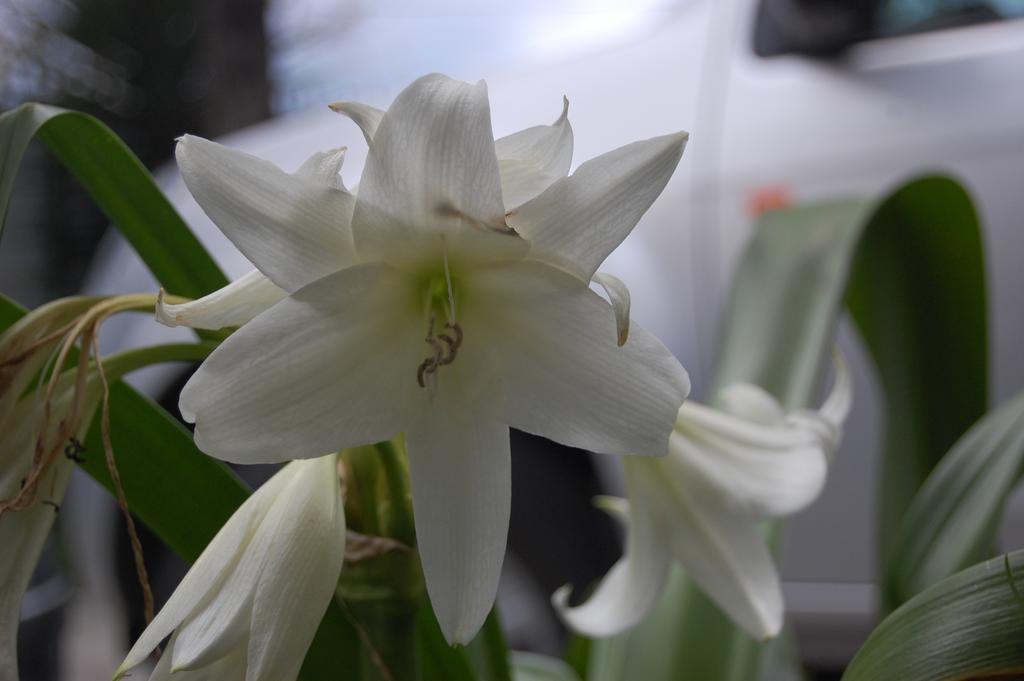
(121, 363)
(398, 522)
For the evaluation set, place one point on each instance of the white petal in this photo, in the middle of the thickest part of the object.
(323, 167)
(331, 366)
(723, 552)
(461, 484)
(531, 160)
(633, 586)
(618, 296)
(231, 667)
(233, 305)
(302, 573)
(293, 229)
(752, 480)
(363, 115)
(221, 623)
(275, 596)
(209, 571)
(580, 219)
(431, 171)
(837, 405)
(551, 342)
(751, 402)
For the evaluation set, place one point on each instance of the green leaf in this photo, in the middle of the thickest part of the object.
(439, 661)
(121, 187)
(917, 294)
(160, 466)
(778, 329)
(488, 652)
(533, 667)
(968, 626)
(787, 290)
(953, 520)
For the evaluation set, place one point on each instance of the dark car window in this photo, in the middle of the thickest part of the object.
(827, 27)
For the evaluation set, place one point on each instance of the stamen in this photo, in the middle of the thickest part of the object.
(444, 347)
(448, 281)
(426, 365)
(453, 343)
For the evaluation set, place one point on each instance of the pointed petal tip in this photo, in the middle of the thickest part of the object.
(459, 633)
(565, 110)
(187, 140)
(560, 599)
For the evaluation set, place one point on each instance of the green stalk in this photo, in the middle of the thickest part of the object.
(398, 521)
(121, 363)
(383, 593)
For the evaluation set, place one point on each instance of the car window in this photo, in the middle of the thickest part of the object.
(895, 17)
(827, 27)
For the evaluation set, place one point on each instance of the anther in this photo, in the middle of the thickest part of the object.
(429, 364)
(453, 343)
(74, 450)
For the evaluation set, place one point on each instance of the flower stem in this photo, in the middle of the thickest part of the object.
(121, 363)
(389, 631)
(398, 522)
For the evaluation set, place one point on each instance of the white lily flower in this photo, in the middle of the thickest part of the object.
(703, 505)
(448, 301)
(250, 605)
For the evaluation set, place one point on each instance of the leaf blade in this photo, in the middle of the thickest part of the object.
(968, 626)
(121, 186)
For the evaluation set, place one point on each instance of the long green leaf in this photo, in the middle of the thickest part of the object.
(121, 187)
(968, 626)
(917, 294)
(488, 652)
(952, 522)
(779, 325)
(439, 661)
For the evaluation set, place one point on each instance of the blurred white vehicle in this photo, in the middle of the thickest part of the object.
(911, 86)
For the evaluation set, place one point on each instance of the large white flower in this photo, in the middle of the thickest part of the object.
(702, 506)
(448, 301)
(250, 605)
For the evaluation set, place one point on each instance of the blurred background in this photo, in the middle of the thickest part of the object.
(786, 101)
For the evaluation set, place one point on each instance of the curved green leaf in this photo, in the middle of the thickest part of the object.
(953, 520)
(917, 294)
(121, 186)
(968, 626)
